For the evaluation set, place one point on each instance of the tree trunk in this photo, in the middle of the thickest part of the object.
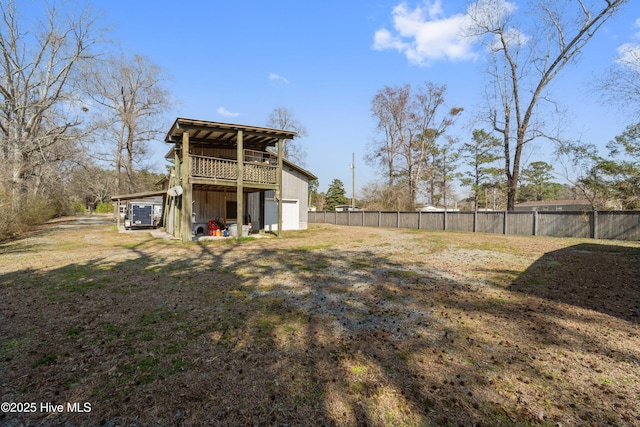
(129, 163)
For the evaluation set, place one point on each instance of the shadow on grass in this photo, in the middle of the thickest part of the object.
(249, 333)
(599, 276)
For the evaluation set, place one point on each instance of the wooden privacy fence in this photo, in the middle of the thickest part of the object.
(618, 225)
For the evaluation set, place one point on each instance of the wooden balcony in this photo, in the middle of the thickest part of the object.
(226, 171)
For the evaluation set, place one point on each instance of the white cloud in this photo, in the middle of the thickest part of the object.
(383, 39)
(491, 13)
(435, 8)
(511, 37)
(629, 56)
(629, 53)
(424, 34)
(224, 112)
(275, 77)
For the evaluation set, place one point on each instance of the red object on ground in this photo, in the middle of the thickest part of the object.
(214, 225)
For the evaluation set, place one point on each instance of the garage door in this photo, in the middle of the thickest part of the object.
(290, 215)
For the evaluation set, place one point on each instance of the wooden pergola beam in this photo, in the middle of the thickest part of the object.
(249, 131)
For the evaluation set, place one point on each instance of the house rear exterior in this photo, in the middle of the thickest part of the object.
(234, 174)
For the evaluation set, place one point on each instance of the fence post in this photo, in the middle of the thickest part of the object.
(398, 219)
(379, 218)
(348, 217)
(475, 221)
(535, 223)
(419, 220)
(594, 231)
(445, 220)
(504, 223)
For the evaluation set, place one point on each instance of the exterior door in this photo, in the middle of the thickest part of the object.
(290, 215)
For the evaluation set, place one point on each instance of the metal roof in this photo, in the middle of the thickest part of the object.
(139, 195)
(300, 169)
(555, 202)
(217, 133)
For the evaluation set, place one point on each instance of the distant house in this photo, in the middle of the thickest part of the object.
(555, 205)
(430, 208)
(345, 208)
(232, 174)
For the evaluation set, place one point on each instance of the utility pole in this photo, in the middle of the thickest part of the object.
(353, 180)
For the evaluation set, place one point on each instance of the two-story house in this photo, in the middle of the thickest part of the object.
(233, 173)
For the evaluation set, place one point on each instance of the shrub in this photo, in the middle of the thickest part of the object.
(77, 208)
(36, 210)
(9, 225)
(104, 208)
(18, 218)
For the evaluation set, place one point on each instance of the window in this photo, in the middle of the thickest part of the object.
(232, 209)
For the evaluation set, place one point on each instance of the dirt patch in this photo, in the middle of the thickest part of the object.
(328, 326)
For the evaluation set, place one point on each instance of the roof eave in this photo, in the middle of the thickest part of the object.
(182, 125)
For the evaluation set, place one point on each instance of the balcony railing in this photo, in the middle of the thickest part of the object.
(259, 173)
(227, 170)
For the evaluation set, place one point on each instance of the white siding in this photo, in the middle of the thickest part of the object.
(295, 187)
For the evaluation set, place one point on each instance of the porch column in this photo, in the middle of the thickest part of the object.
(187, 207)
(279, 183)
(240, 184)
(177, 215)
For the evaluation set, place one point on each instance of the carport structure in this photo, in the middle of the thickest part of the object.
(155, 198)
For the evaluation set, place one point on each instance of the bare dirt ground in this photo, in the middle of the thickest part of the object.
(334, 325)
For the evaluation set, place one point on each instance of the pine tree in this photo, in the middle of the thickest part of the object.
(481, 153)
(335, 195)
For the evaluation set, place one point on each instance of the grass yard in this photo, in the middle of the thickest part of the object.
(336, 326)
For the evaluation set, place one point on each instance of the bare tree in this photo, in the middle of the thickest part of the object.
(577, 161)
(412, 122)
(380, 196)
(130, 99)
(621, 84)
(525, 60)
(91, 184)
(283, 118)
(388, 108)
(39, 111)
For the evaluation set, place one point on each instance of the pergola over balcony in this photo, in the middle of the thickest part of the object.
(259, 167)
(226, 134)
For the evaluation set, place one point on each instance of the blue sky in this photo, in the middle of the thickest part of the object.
(235, 61)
